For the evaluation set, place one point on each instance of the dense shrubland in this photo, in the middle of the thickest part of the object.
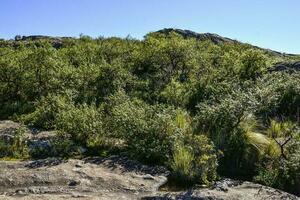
(204, 110)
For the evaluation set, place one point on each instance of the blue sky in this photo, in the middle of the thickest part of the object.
(273, 24)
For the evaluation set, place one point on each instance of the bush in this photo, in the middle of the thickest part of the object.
(47, 110)
(163, 135)
(223, 121)
(279, 97)
(253, 62)
(281, 174)
(182, 162)
(144, 128)
(194, 160)
(83, 123)
(282, 170)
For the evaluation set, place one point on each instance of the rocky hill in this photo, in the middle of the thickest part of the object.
(199, 107)
(215, 38)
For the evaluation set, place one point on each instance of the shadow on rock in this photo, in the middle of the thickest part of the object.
(49, 162)
(127, 165)
(183, 196)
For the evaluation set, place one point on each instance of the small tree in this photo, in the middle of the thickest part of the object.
(282, 133)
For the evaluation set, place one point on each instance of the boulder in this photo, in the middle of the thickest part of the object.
(286, 67)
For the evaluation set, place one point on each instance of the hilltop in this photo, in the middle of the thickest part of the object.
(217, 39)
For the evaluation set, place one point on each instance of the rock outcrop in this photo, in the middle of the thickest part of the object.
(8, 130)
(37, 142)
(286, 67)
(216, 39)
(115, 177)
(93, 178)
(200, 36)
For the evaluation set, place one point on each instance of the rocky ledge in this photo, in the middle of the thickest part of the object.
(115, 177)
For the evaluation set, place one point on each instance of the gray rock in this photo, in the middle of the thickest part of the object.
(148, 177)
(216, 39)
(292, 67)
(9, 130)
(110, 178)
(200, 36)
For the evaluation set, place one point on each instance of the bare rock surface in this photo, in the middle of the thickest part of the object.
(115, 177)
(232, 190)
(9, 129)
(35, 139)
(94, 178)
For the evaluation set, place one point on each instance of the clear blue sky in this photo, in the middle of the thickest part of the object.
(273, 24)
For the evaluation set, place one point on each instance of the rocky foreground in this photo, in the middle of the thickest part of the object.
(115, 177)
(110, 178)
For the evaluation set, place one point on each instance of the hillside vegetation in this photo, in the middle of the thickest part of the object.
(204, 107)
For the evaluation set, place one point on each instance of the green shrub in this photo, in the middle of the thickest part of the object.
(144, 128)
(6, 150)
(163, 135)
(194, 160)
(281, 174)
(282, 170)
(253, 62)
(182, 162)
(83, 123)
(47, 110)
(14, 109)
(279, 96)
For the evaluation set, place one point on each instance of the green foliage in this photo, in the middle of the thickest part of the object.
(252, 64)
(47, 110)
(182, 164)
(282, 170)
(83, 123)
(147, 130)
(150, 98)
(194, 160)
(278, 96)
(175, 93)
(282, 174)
